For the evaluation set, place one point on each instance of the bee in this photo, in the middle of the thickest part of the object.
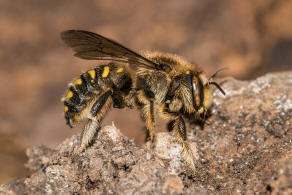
(158, 84)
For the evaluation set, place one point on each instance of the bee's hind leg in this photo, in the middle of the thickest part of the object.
(97, 112)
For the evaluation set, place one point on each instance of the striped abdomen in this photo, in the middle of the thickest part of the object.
(84, 90)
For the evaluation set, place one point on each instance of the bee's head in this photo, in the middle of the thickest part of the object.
(202, 93)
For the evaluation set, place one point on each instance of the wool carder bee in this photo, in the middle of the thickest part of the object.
(158, 84)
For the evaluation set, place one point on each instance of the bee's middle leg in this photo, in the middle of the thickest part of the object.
(149, 117)
(142, 101)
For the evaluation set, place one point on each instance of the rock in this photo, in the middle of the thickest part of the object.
(172, 184)
(245, 150)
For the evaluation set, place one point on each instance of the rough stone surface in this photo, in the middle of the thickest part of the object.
(246, 149)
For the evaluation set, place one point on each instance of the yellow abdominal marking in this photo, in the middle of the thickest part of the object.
(105, 72)
(188, 72)
(66, 108)
(92, 73)
(120, 69)
(78, 82)
(201, 110)
(69, 94)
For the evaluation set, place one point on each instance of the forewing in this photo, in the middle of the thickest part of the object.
(92, 46)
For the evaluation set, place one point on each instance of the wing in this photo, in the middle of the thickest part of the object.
(92, 46)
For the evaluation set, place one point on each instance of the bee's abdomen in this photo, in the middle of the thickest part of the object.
(89, 86)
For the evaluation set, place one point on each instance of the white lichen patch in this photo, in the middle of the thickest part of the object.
(216, 102)
(112, 132)
(55, 173)
(283, 103)
(255, 86)
(48, 188)
(259, 84)
(230, 91)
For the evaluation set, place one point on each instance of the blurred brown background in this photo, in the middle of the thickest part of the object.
(251, 37)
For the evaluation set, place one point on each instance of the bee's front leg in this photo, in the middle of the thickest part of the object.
(179, 128)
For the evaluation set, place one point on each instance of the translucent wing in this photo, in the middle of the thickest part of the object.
(92, 46)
